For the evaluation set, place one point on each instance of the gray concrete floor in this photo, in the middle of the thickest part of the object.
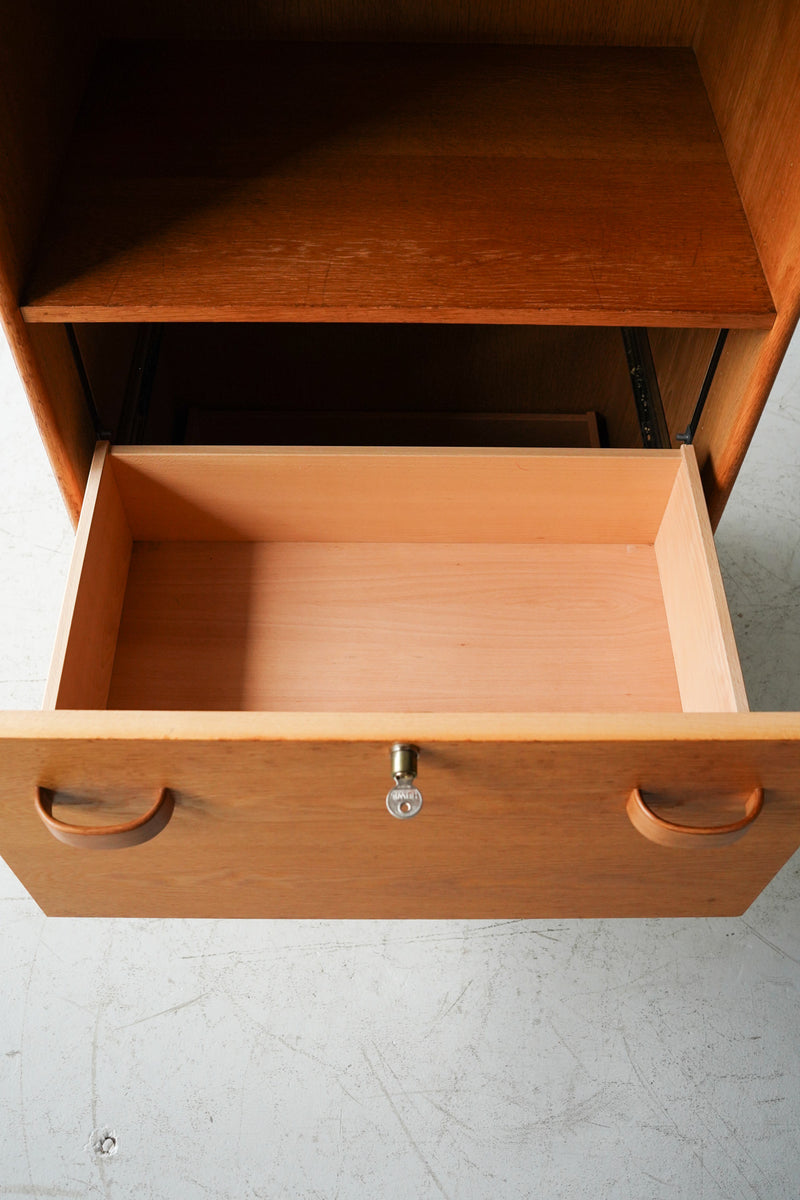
(596, 1059)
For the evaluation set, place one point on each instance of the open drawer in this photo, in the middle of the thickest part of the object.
(246, 633)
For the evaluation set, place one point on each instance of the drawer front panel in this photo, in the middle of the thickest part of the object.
(286, 817)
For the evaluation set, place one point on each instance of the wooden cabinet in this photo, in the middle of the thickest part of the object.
(336, 272)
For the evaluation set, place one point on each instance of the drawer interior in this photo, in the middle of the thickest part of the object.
(382, 384)
(403, 580)
(388, 626)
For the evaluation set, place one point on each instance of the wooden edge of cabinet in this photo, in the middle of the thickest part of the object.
(77, 724)
(55, 395)
(49, 312)
(209, 452)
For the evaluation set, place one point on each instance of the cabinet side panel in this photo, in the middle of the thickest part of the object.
(748, 55)
(44, 56)
(681, 357)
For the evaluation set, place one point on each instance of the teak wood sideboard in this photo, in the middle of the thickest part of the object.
(395, 363)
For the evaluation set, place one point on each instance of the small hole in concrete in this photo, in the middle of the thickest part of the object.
(103, 1143)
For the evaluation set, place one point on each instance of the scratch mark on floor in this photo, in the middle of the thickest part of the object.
(778, 949)
(101, 1166)
(654, 1097)
(645, 975)
(95, 1036)
(197, 1183)
(276, 1037)
(720, 1142)
(516, 927)
(459, 997)
(25, 1004)
(24, 1189)
(165, 1011)
(315, 1058)
(74, 1003)
(242, 1094)
(451, 1116)
(566, 1045)
(655, 1178)
(225, 954)
(411, 1140)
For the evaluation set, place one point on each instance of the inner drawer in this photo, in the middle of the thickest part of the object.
(395, 581)
(384, 384)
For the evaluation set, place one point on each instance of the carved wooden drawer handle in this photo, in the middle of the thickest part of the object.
(106, 837)
(692, 837)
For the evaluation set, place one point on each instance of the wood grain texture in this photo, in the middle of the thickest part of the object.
(659, 22)
(86, 639)
(236, 181)
(363, 627)
(748, 54)
(296, 494)
(44, 53)
(57, 400)
(706, 658)
(285, 817)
